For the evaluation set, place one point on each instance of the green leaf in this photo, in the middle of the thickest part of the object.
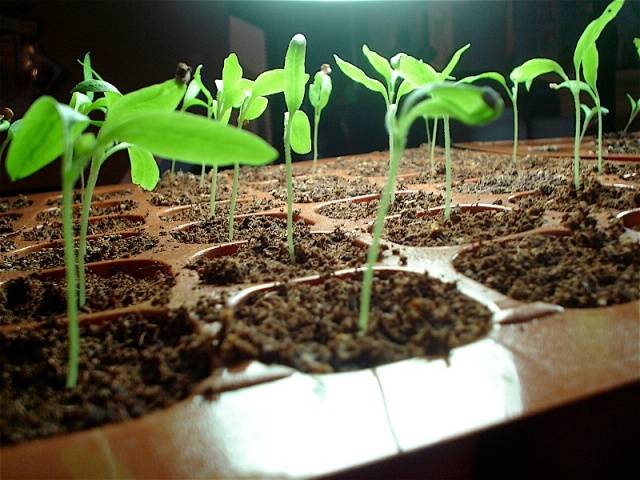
(189, 138)
(163, 96)
(300, 133)
(94, 85)
(144, 169)
(495, 76)
(416, 71)
(578, 85)
(294, 74)
(269, 82)
(586, 110)
(80, 102)
(194, 102)
(39, 140)
(632, 102)
(87, 71)
(82, 151)
(405, 87)
(379, 63)
(358, 76)
(193, 89)
(320, 91)
(257, 108)
(4, 125)
(454, 61)
(197, 77)
(466, 103)
(100, 104)
(232, 94)
(636, 42)
(535, 67)
(590, 66)
(593, 31)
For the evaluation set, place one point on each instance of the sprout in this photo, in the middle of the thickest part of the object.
(589, 113)
(466, 103)
(297, 135)
(319, 93)
(635, 108)
(136, 122)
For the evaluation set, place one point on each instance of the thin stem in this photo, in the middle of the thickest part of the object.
(427, 129)
(213, 191)
(316, 122)
(514, 100)
(433, 146)
(84, 225)
(289, 174)
(234, 196)
(599, 145)
(70, 269)
(173, 167)
(447, 156)
(82, 182)
(576, 140)
(585, 125)
(374, 248)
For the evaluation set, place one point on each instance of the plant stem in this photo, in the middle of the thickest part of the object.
(173, 167)
(234, 196)
(514, 99)
(447, 155)
(433, 146)
(576, 140)
(374, 248)
(70, 269)
(289, 174)
(84, 225)
(599, 146)
(316, 122)
(427, 129)
(213, 191)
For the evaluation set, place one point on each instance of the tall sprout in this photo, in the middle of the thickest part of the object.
(466, 103)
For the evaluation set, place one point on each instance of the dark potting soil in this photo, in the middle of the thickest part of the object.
(108, 247)
(200, 211)
(7, 222)
(53, 231)
(462, 227)
(97, 197)
(183, 188)
(314, 328)
(6, 245)
(514, 181)
(129, 366)
(324, 188)
(618, 143)
(404, 202)
(31, 298)
(122, 206)
(21, 202)
(216, 230)
(629, 171)
(262, 260)
(592, 196)
(589, 268)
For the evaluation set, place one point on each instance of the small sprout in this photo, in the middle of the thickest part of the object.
(183, 73)
(319, 93)
(633, 113)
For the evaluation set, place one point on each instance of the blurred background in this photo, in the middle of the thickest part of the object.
(136, 43)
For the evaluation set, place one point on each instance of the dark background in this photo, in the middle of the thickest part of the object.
(136, 43)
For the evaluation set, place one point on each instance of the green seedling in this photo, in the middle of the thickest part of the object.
(585, 58)
(253, 104)
(468, 104)
(297, 131)
(419, 74)
(635, 109)
(589, 114)
(7, 125)
(135, 121)
(319, 93)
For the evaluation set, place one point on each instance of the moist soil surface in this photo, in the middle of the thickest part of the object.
(123, 206)
(31, 298)
(403, 203)
(7, 223)
(107, 247)
(463, 227)
(183, 188)
(262, 260)
(314, 328)
(320, 188)
(97, 197)
(200, 211)
(216, 230)
(129, 366)
(53, 230)
(588, 268)
(21, 202)
(618, 143)
(6, 245)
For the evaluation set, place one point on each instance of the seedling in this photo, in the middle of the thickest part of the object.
(466, 103)
(418, 73)
(319, 93)
(589, 114)
(50, 129)
(297, 135)
(635, 109)
(585, 56)
(253, 104)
